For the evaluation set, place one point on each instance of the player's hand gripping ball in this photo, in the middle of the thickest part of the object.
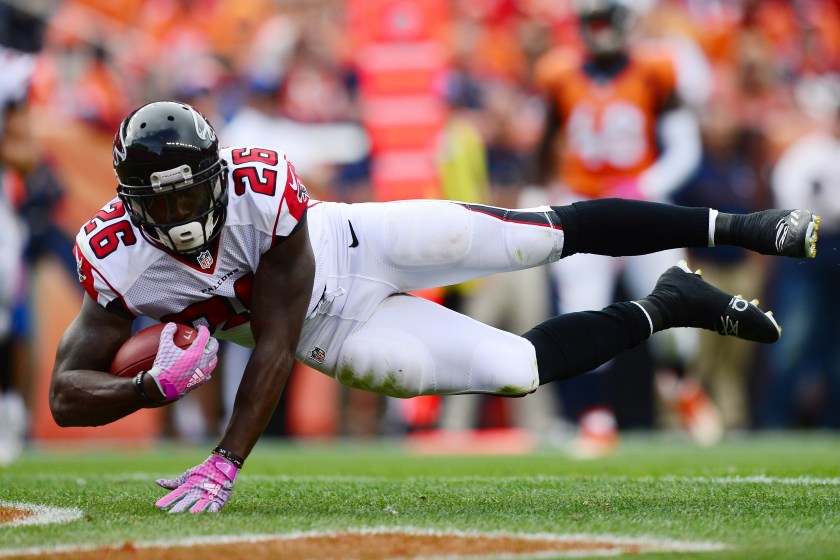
(138, 352)
(178, 357)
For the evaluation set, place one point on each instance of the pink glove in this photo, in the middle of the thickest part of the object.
(206, 487)
(178, 371)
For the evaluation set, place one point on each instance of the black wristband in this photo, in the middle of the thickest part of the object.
(138, 388)
(230, 456)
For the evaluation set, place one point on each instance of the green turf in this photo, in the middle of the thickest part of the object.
(774, 496)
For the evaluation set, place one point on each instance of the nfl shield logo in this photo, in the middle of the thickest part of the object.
(205, 259)
(318, 355)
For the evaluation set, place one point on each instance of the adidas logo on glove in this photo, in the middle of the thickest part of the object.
(197, 378)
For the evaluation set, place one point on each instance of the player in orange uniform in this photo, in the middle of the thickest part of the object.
(614, 128)
(609, 118)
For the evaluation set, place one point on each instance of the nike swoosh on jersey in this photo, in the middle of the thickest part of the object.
(355, 242)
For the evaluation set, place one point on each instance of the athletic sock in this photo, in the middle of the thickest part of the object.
(618, 227)
(657, 318)
(754, 231)
(575, 343)
(728, 228)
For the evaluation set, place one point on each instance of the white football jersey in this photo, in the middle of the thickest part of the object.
(131, 277)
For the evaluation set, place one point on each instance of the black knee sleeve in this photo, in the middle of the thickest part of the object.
(619, 227)
(575, 343)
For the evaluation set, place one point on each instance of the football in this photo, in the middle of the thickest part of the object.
(138, 352)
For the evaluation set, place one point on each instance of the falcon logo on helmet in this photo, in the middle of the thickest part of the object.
(202, 127)
(119, 148)
(171, 178)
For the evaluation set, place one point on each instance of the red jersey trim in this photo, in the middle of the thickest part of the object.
(86, 272)
(294, 198)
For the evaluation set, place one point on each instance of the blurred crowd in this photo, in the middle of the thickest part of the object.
(761, 79)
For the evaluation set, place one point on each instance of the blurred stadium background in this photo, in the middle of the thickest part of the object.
(391, 99)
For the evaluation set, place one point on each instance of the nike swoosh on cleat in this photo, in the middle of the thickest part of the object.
(355, 242)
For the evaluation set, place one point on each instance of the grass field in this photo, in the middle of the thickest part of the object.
(761, 497)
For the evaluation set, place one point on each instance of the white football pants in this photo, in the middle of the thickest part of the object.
(369, 334)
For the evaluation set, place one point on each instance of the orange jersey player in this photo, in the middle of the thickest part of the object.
(613, 112)
(622, 130)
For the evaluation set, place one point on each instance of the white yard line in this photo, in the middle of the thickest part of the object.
(41, 515)
(756, 479)
(641, 544)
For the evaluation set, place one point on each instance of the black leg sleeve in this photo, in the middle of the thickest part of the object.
(619, 227)
(575, 343)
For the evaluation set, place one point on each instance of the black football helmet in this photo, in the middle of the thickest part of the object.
(603, 25)
(171, 179)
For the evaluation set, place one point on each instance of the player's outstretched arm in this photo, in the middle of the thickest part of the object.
(282, 290)
(82, 393)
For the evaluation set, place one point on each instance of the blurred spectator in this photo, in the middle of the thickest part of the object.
(754, 74)
(615, 128)
(669, 27)
(462, 160)
(802, 387)
(76, 75)
(463, 164)
(732, 178)
(78, 95)
(18, 156)
(304, 106)
(21, 30)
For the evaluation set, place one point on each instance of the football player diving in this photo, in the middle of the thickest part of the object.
(227, 240)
